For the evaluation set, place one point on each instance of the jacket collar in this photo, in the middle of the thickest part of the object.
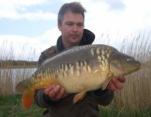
(88, 38)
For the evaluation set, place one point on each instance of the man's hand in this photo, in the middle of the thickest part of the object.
(116, 83)
(55, 92)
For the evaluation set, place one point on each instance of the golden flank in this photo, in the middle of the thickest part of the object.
(79, 70)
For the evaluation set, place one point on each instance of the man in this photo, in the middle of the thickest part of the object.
(54, 98)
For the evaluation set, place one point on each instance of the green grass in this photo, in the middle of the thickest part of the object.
(10, 106)
(110, 112)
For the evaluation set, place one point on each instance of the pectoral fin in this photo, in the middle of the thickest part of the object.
(107, 81)
(78, 97)
(27, 99)
(105, 85)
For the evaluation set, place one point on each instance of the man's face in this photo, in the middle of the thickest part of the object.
(71, 28)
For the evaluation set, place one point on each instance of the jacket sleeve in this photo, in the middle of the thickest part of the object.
(42, 100)
(103, 97)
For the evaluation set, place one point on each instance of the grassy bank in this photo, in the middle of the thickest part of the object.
(10, 106)
(114, 112)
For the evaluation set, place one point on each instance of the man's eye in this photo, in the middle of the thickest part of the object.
(69, 24)
(80, 24)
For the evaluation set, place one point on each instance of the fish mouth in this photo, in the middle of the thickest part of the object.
(134, 68)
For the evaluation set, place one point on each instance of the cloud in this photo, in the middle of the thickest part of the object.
(15, 10)
(21, 2)
(39, 15)
(25, 47)
(135, 16)
(115, 4)
(18, 46)
(49, 37)
(117, 26)
(139, 11)
(111, 21)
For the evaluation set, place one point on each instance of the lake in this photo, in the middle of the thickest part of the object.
(9, 77)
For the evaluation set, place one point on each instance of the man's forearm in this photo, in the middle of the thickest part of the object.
(103, 97)
(42, 100)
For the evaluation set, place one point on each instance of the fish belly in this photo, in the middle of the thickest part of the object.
(86, 81)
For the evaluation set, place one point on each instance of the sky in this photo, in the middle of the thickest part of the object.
(29, 26)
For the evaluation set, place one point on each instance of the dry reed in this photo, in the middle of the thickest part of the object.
(137, 89)
(9, 76)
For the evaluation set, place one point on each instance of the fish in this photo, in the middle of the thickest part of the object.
(78, 70)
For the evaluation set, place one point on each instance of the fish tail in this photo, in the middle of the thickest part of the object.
(27, 99)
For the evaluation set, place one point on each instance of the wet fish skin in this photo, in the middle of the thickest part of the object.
(78, 70)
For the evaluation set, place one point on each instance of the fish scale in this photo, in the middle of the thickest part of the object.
(79, 70)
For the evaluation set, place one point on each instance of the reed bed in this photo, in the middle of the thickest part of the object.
(136, 92)
(137, 89)
(9, 75)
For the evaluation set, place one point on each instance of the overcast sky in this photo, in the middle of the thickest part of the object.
(30, 26)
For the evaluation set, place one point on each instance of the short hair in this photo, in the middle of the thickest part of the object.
(74, 7)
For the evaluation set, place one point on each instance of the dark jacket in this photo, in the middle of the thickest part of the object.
(88, 107)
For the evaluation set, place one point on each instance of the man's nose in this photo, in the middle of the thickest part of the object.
(75, 28)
